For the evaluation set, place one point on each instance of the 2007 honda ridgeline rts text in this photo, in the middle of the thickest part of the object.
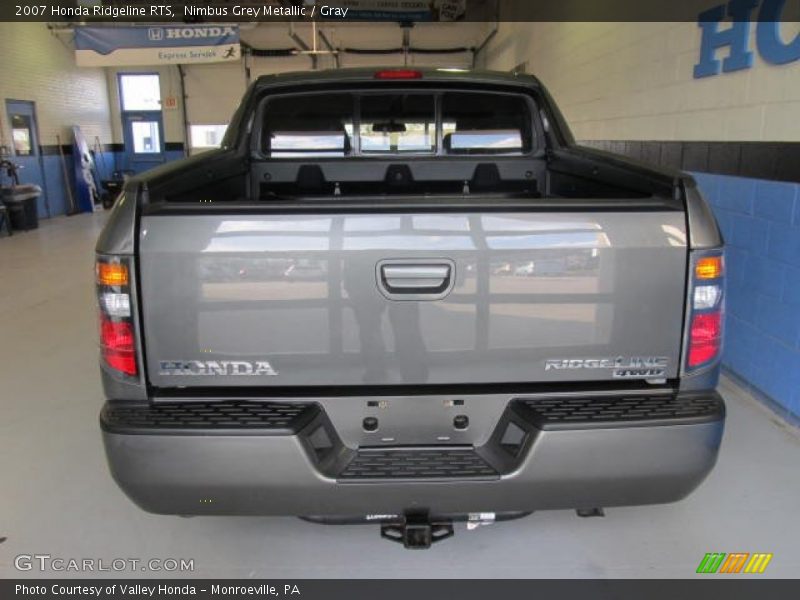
(408, 297)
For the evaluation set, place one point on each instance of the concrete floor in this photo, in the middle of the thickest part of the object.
(57, 497)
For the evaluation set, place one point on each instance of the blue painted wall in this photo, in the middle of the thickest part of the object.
(57, 198)
(171, 155)
(54, 180)
(123, 160)
(761, 223)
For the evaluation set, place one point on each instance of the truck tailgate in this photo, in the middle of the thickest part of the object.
(411, 298)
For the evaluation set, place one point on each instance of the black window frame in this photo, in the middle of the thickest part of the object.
(258, 147)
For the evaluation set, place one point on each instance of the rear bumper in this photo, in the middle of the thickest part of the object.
(289, 460)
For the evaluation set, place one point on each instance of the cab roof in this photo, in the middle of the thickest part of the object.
(364, 74)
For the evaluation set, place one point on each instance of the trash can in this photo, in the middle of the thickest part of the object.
(21, 202)
(113, 187)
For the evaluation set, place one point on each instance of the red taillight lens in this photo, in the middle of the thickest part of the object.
(398, 74)
(118, 346)
(705, 338)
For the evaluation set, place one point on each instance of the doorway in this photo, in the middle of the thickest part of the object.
(142, 122)
(25, 148)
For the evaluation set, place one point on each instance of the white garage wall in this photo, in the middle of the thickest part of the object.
(634, 81)
(39, 66)
(213, 92)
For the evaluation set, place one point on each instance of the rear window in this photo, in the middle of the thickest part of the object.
(396, 123)
(312, 125)
(485, 124)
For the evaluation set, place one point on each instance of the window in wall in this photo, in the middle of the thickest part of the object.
(207, 136)
(146, 139)
(397, 123)
(22, 134)
(140, 91)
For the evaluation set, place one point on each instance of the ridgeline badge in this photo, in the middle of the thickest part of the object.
(622, 367)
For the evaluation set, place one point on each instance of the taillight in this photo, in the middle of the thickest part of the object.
(117, 333)
(708, 267)
(118, 347)
(705, 338)
(706, 306)
(111, 274)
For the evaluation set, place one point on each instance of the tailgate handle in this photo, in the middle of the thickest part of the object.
(398, 278)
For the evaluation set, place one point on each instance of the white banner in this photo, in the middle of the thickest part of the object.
(150, 45)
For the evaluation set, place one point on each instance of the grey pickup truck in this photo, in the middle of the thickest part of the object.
(408, 297)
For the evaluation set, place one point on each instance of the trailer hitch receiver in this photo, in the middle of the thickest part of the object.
(417, 531)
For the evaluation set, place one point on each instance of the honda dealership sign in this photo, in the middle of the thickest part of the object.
(151, 45)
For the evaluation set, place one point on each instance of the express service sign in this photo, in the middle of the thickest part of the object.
(169, 44)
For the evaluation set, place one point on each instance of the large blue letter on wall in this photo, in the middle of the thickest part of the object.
(736, 36)
(768, 35)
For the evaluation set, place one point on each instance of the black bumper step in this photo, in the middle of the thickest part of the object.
(602, 411)
(207, 418)
(417, 463)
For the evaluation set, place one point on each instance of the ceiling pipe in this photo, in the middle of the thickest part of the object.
(187, 134)
(303, 46)
(411, 50)
(330, 48)
(406, 27)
